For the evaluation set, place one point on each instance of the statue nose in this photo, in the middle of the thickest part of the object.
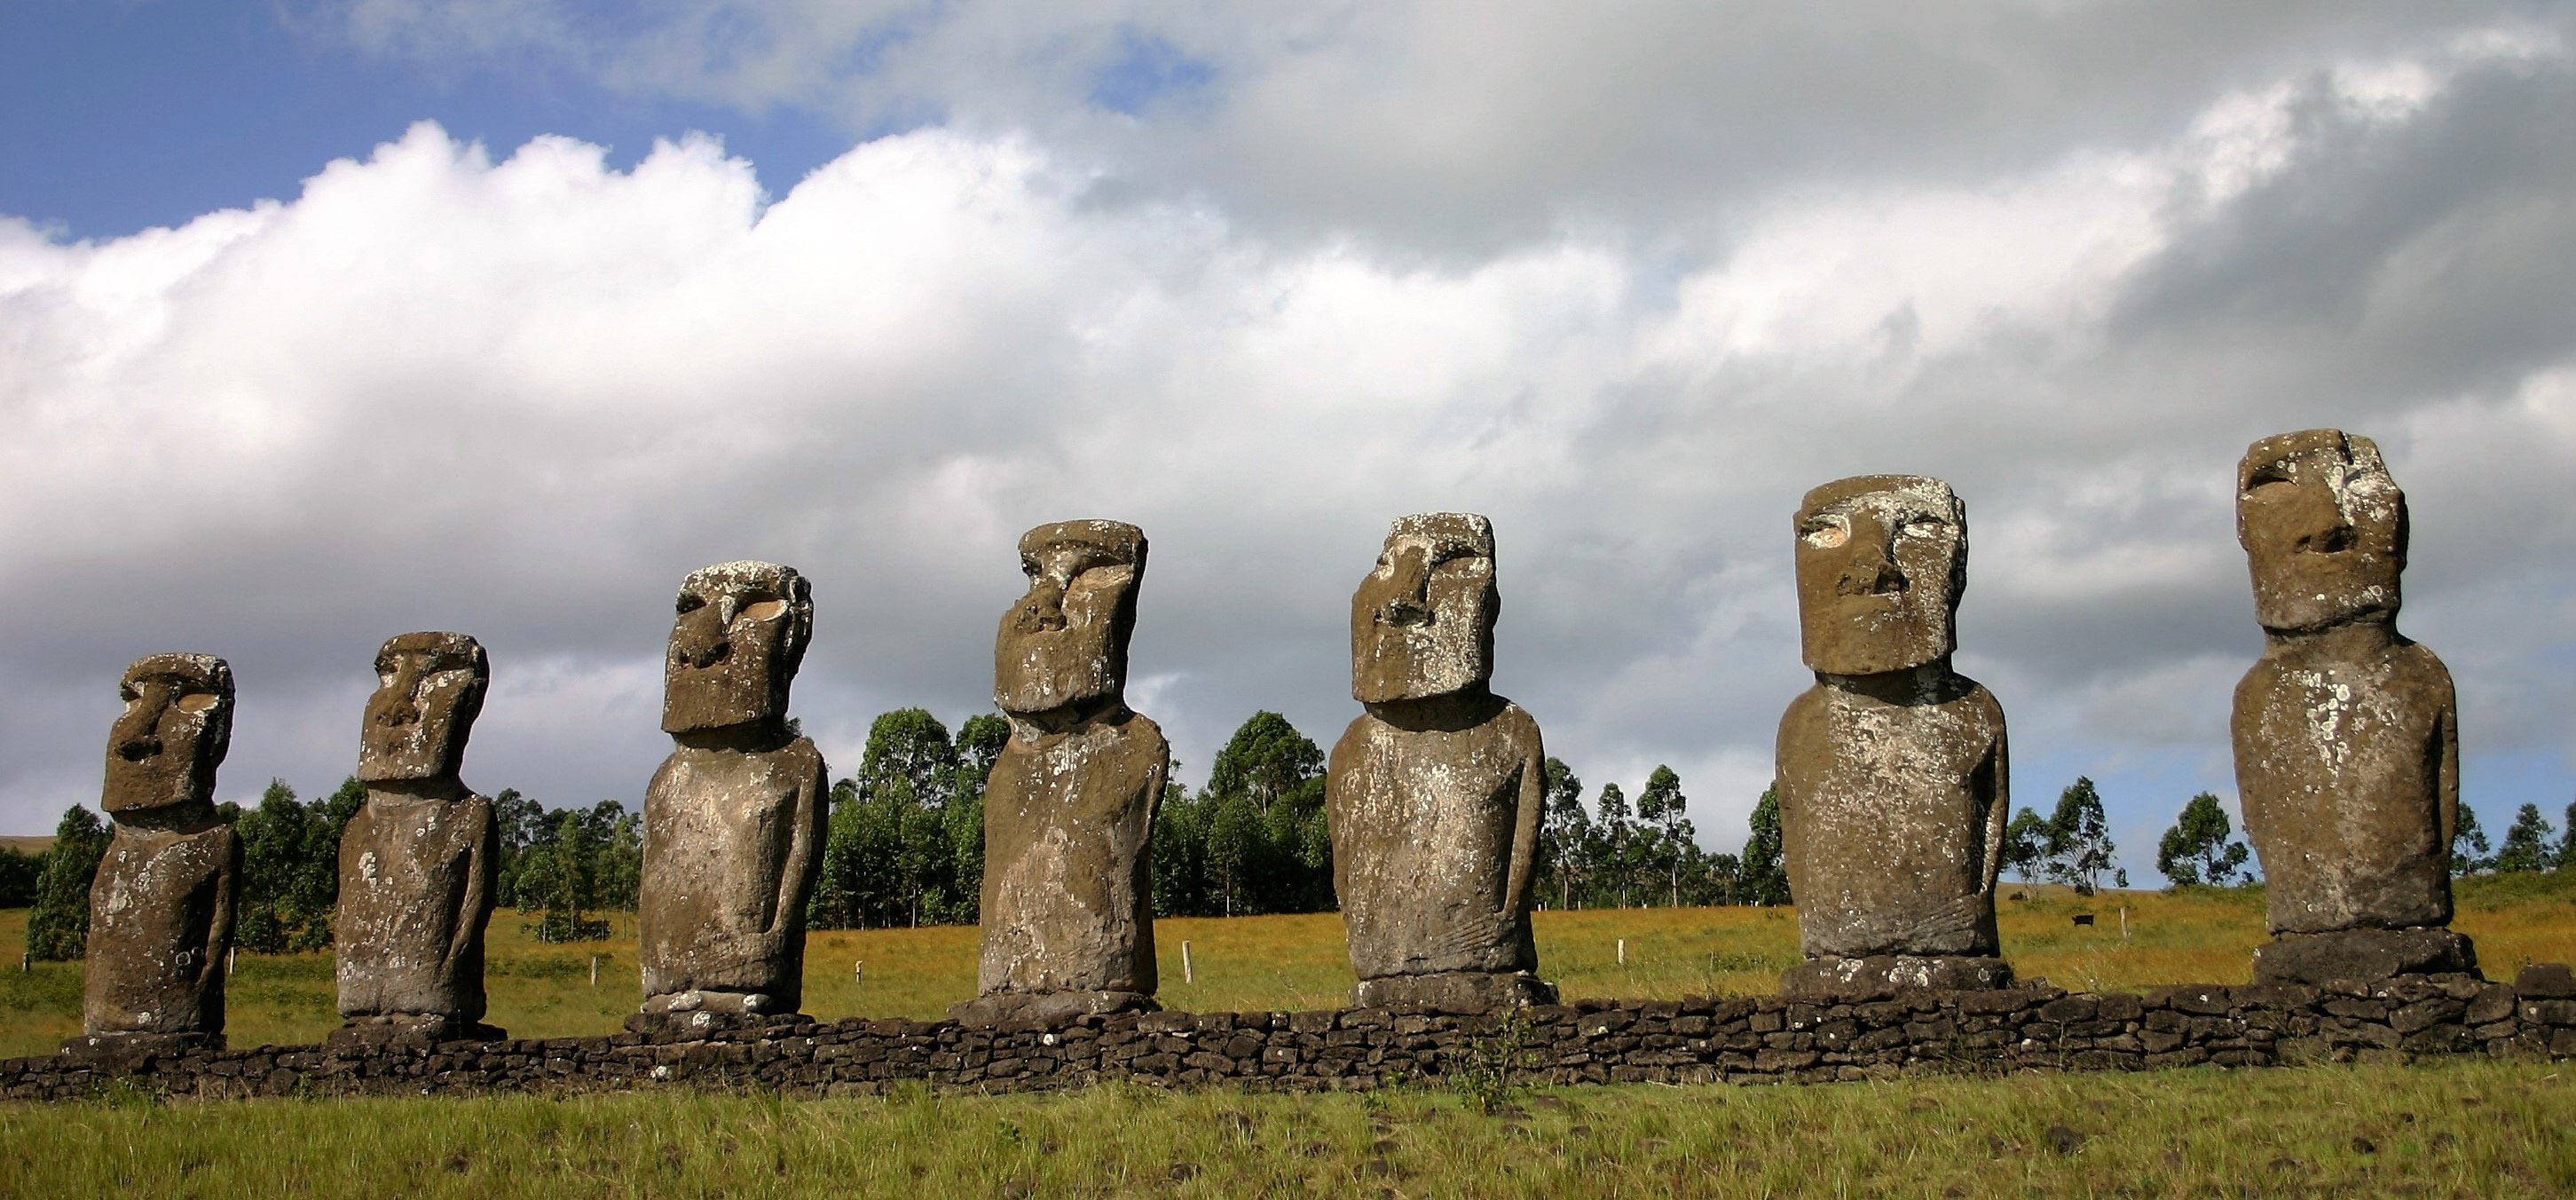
(1045, 614)
(1410, 604)
(1872, 569)
(136, 749)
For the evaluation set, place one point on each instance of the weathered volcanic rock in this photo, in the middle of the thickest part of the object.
(1068, 913)
(419, 862)
(734, 820)
(1434, 794)
(161, 907)
(1891, 769)
(2346, 732)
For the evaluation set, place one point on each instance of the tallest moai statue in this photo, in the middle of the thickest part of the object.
(2347, 734)
(161, 909)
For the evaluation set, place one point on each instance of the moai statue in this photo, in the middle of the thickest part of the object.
(1891, 769)
(161, 909)
(418, 863)
(734, 820)
(2347, 734)
(1434, 794)
(1068, 902)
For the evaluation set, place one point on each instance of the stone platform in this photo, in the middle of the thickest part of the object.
(1765, 1040)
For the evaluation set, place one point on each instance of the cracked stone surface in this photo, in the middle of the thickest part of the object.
(1434, 794)
(1892, 768)
(2346, 732)
(419, 862)
(734, 820)
(1067, 903)
(161, 908)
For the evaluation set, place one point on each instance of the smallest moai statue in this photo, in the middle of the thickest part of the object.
(1891, 768)
(1068, 900)
(420, 861)
(1434, 794)
(161, 909)
(2347, 733)
(734, 820)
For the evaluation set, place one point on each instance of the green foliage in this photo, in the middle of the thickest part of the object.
(2526, 844)
(290, 882)
(19, 874)
(2026, 845)
(906, 840)
(58, 926)
(1563, 832)
(577, 861)
(1255, 839)
(2469, 848)
(2198, 849)
(1765, 875)
(2077, 838)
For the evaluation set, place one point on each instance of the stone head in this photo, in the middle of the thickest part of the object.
(1065, 642)
(429, 689)
(740, 635)
(1881, 563)
(177, 724)
(2324, 529)
(1422, 622)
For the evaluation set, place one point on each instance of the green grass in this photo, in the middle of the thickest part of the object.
(2459, 1129)
(1298, 962)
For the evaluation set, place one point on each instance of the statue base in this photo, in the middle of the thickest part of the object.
(2318, 959)
(1046, 1008)
(1454, 992)
(1879, 976)
(125, 1047)
(410, 1029)
(754, 1004)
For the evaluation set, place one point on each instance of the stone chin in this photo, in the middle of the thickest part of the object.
(1413, 672)
(1878, 643)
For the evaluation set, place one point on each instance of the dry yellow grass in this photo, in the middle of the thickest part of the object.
(1297, 962)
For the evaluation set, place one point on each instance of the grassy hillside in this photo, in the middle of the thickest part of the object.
(2454, 1129)
(1297, 962)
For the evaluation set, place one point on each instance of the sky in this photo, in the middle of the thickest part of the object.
(322, 322)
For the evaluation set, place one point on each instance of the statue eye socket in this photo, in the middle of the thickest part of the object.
(1825, 534)
(196, 702)
(2268, 474)
(765, 610)
(1924, 525)
(691, 602)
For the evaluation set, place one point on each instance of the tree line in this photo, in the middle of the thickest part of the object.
(905, 845)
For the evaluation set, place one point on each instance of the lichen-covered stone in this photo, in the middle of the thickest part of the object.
(1892, 769)
(734, 820)
(1067, 905)
(1433, 795)
(419, 862)
(161, 907)
(2346, 732)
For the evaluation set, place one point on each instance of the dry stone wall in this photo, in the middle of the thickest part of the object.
(1765, 1040)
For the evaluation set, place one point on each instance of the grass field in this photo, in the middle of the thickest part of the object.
(2457, 1129)
(1298, 962)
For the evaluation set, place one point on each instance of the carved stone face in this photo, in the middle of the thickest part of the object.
(1882, 560)
(177, 724)
(1422, 623)
(429, 689)
(741, 632)
(1065, 642)
(2324, 529)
